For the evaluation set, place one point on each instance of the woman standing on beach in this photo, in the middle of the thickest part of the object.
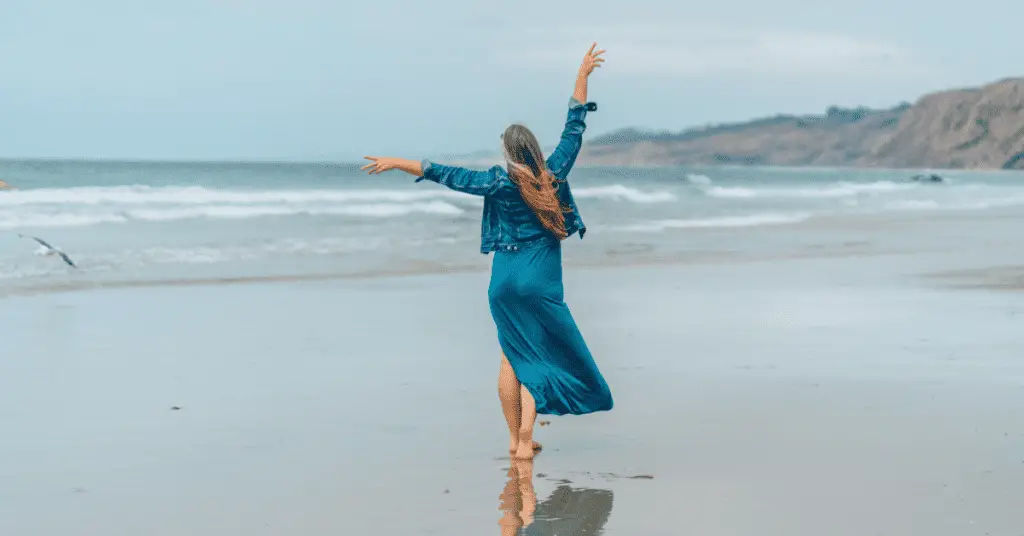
(546, 367)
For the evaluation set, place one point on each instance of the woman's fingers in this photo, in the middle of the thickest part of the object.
(374, 167)
(593, 59)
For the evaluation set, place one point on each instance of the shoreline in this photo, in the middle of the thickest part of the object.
(823, 237)
(994, 278)
(613, 261)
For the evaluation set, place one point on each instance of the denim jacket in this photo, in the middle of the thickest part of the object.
(508, 223)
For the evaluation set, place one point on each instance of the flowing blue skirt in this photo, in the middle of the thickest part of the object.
(538, 335)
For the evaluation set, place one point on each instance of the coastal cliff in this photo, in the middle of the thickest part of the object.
(978, 128)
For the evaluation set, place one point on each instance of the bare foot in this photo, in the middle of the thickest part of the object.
(537, 447)
(527, 451)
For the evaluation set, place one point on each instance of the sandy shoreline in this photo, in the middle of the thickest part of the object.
(616, 259)
(958, 249)
(825, 395)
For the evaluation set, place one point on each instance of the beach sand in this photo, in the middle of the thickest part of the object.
(800, 395)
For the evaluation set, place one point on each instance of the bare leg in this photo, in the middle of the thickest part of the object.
(509, 391)
(527, 447)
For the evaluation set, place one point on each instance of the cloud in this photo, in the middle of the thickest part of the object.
(654, 50)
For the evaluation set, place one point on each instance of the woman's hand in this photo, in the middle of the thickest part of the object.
(380, 164)
(591, 61)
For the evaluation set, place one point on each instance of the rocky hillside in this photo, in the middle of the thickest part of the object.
(980, 128)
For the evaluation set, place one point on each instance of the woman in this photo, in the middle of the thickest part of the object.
(546, 367)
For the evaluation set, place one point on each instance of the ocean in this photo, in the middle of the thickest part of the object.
(128, 223)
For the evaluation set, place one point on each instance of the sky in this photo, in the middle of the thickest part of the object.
(337, 80)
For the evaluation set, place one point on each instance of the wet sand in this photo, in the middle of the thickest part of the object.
(1010, 278)
(840, 396)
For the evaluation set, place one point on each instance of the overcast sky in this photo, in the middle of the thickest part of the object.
(336, 79)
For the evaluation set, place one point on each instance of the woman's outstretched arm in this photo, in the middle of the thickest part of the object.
(379, 164)
(564, 156)
(458, 179)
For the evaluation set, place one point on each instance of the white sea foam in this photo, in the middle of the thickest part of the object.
(698, 179)
(752, 220)
(196, 195)
(832, 190)
(257, 211)
(85, 206)
(9, 220)
(618, 192)
(80, 217)
(914, 204)
(956, 204)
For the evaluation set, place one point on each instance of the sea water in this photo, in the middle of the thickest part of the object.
(124, 222)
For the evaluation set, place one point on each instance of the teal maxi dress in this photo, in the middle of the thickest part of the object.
(538, 334)
(535, 329)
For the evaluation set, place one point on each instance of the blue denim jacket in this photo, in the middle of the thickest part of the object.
(508, 223)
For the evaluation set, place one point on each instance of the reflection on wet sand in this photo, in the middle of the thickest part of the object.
(567, 511)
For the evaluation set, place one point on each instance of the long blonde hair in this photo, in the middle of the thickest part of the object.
(537, 185)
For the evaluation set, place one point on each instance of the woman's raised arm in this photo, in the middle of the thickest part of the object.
(591, 61)
(564, 156)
